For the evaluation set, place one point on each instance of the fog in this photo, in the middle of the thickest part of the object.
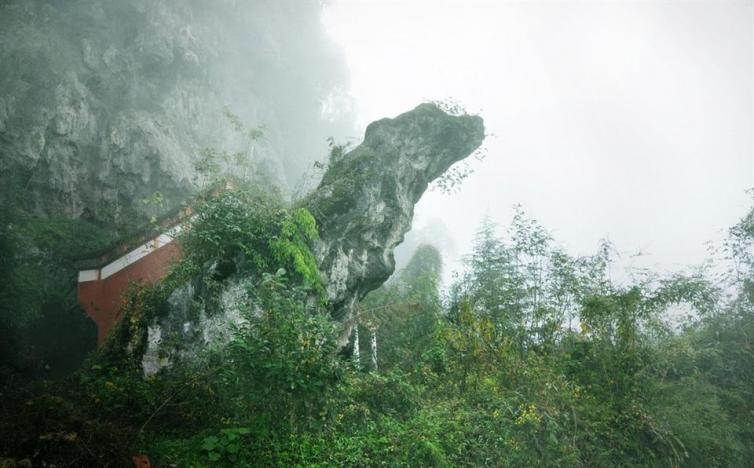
(196, 235)
(628, 121)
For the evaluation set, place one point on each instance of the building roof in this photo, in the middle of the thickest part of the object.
(99, 258)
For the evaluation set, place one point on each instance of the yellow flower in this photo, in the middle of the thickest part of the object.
(529, 414)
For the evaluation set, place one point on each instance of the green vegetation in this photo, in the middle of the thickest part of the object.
(532, 357)
(240, 231)
(44, 331)
(246, 231)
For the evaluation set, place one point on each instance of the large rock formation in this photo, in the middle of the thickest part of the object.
(104, 102)
(365, 202)
(363, 206)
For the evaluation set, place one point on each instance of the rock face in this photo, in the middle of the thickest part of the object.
(365, 202)
(363, 206)
(103, 103)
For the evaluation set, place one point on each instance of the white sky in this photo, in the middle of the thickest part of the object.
(626, 120)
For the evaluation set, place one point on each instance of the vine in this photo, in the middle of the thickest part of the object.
(291, 247)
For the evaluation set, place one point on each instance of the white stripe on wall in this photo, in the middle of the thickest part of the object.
(88, 275)
(131, 257)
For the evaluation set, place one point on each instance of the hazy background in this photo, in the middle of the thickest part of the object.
(631, 121)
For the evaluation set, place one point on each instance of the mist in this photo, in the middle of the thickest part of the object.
(630, 121)
(376, 233)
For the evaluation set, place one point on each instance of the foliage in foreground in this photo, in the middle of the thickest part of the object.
(533, 358)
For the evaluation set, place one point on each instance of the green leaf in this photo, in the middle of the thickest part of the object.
(210, 443)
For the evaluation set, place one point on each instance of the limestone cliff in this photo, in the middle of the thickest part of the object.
(104, 102)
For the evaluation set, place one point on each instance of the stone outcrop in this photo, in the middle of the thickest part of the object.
(365, 203)
(363, 206)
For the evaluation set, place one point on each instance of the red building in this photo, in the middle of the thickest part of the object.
(102, 280)
(142, 258)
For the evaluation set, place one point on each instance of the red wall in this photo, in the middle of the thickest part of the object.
(101, 299)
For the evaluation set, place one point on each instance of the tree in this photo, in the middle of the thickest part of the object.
(403, 314)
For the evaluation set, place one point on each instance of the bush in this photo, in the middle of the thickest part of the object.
(284, 359)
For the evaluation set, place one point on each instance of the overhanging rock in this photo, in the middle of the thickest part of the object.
(363, 206)
(365, 202)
